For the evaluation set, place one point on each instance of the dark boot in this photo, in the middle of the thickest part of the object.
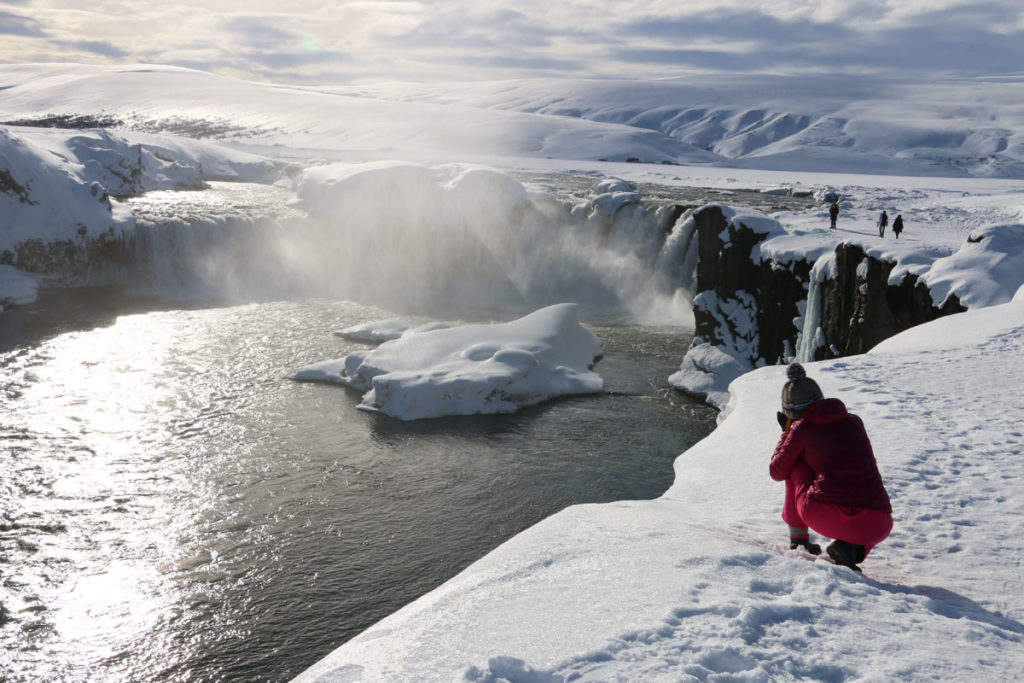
(846, 554)
(805, 543)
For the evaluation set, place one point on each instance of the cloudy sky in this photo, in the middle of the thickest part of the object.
(348, 41)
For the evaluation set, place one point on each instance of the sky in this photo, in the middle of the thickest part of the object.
(339, 41)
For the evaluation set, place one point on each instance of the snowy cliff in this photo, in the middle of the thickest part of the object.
(63, 192)
(766, 295)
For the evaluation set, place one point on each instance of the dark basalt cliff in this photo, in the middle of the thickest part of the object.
(753, 304)
(859, 308)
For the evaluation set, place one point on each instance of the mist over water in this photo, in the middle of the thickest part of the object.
(410, 238)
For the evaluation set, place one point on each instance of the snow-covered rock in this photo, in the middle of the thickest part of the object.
(378, 331)
(17, 287)
(987, 270)
(471, 369)
(47, 193)
(611, 194)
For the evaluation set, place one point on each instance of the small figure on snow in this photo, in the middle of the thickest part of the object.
(833, 213)
(883, 221)
(832, 481)
(897, 225)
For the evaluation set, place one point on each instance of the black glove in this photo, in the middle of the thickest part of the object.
(783, 420)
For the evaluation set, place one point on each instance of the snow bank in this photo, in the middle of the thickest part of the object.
(472, 369)
(17, 287)
(48, 193)
(337, 122)
(60, 185)
(987, 270)
(700, 584)
(378, 331)
(708, 370)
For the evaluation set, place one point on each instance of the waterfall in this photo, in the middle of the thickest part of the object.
(223, 257)
(407, 239)
(811, 336)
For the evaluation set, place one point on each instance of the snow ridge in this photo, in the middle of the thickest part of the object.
(808, 123)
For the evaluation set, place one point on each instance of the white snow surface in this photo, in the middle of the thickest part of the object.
(937, 127)
(471, 369)
(378, 331)
(700, 584)
(64, 183)
(17, 287)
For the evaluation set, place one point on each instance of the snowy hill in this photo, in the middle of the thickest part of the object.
(942, 127)
(199, 104)
(810, 123)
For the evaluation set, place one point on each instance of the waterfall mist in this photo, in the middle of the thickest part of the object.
(422, 240)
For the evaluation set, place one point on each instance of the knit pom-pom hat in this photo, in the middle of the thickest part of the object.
(795, 371)
(799, 392)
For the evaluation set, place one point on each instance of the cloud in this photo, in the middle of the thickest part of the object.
(699, 59)
(528, 63)
(294, 60)
(961, 39)
(98, 47)
(744, 26)
(257, 30)
(452, 39)
(503, 29)
(17, 25)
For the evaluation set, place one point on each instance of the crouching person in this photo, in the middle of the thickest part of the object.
(832, 481)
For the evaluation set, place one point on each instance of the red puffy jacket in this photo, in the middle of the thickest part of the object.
(835, 446)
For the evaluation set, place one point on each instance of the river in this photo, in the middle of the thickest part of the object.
(175, 508)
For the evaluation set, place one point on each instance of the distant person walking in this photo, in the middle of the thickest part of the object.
(833, 213)
(897, 225)
(883, 221)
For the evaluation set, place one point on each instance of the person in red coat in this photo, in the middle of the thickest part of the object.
(832, 481)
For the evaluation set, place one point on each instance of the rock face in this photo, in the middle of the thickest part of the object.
(742, 297)
(860, 308)
(750, 308)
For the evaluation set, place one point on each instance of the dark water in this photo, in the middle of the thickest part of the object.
(173, 508)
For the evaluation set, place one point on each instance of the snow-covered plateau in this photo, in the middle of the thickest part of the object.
(699, 584)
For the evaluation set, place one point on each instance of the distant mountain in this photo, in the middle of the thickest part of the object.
(951, 127)
(838, 123)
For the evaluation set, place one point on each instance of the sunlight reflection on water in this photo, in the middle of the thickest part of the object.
(174, 508)
(103, 610)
